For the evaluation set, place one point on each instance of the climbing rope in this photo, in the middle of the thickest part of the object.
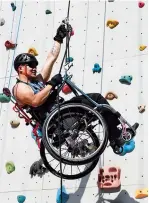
(13, 52)
(66, 54)
(102, 65)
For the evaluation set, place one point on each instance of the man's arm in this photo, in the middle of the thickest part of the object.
(51, 58)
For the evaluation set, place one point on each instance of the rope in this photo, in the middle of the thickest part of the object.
(64, 57)
(102, 64)
(9, 52)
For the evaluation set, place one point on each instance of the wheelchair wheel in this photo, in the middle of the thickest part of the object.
(79, 125)
(69, 172)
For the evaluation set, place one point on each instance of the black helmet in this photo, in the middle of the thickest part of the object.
(24, 58)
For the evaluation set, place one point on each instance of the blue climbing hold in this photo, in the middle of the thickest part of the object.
(126, 79)
(128, 147)
(69, 59)
(65, 196)
(21, 198)
(39, 133)
(96, 68)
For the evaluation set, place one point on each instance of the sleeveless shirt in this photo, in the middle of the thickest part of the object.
(37, 86)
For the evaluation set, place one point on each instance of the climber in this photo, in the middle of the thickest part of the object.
(36, 90)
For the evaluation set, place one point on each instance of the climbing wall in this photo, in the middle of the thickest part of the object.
(116, 52)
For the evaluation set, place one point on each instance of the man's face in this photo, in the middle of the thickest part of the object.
(29, 70)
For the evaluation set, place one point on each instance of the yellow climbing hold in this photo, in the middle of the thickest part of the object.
(142, 47)
(142, 193)
(14, 123)
(112, 23)
(33, 51)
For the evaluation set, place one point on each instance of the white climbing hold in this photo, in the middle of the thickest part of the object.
(14, 123)
(2, 21)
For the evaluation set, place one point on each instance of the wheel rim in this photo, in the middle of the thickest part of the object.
(75, 111)
(69, 172)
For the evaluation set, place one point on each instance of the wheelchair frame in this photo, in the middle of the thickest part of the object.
(75, 90)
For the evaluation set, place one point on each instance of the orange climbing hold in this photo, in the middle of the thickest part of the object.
(111, 96)
(142, 47)
(142, 193)
(112, 23)
(109, 178)
(33, 51)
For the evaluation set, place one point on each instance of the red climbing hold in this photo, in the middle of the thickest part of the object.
(72, 33)
(141, 4)
(109, 178)
(10, 45)
(66, 89)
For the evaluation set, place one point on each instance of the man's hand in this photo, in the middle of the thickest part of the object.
(55, 81)
(61, 34)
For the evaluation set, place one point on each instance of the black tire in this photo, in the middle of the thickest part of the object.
(67, 160)
(65, 176)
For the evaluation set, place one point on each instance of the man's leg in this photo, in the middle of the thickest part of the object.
(109, 117)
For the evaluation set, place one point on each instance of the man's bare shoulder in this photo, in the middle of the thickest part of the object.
(23, 93)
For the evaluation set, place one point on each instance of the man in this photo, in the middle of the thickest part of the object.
(31, 90)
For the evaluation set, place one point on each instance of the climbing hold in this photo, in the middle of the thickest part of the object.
(141, 108)
(141, 4)
(65, 196)
(142, 47)
(48, 11)
(96, 68)
(21, 198)
(112, 23)
(66, 89)
(69, 59)
(72, 33)
(14, 123)
(2, 21)
(10, 45)
(33, 51)
(7, 92)
(111, 96)
(109, 177)
(142, 193)
(4, 98)
(126, 79)
(13, 6)
(10, 167)
(37, 168)
(128, 147)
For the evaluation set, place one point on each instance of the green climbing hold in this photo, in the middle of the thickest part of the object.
(13, 6)
(10, 167)
(48, 12)
(69, 59)
(4, 98)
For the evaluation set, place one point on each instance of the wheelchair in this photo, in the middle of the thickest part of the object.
(78, 129)
(36, 119)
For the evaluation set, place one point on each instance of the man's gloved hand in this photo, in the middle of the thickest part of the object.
(55, 80)
(61, 34)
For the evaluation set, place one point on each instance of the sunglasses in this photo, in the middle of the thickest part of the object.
(31, 65)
